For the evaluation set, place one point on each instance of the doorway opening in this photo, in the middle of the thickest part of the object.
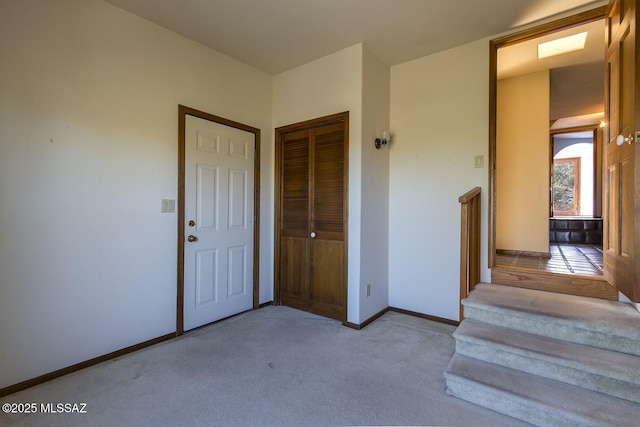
(546, 151)
(575, 222)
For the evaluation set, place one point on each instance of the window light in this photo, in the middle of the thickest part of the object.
(563, 45)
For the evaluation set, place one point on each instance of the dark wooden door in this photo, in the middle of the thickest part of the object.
(311, 216)
(622, 175)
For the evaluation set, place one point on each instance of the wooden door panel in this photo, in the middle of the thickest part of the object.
(328, 295)
(611, 240)
(328, 181)
(623, 178)
(328, 272)
(613, 91)
(614, 18)
(294, 267)
(327, 221)
(294, 227)
(327, 279)
(626, 209)
(295, 185)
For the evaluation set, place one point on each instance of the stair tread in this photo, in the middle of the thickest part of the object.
(608, 317)
(574, 403)
(621, 366)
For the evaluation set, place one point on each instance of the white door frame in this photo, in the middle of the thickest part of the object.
(182, 113)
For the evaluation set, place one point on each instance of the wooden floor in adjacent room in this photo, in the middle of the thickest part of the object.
(565, 258)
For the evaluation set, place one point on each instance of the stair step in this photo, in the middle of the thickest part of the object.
(537, 400)
(613, 373)
(598, 323)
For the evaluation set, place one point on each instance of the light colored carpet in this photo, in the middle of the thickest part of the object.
(271, 367)
(548, 358)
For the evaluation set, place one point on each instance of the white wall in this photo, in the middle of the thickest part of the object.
(89, 100)
(439, 120)
(374, 265)
(330, 85)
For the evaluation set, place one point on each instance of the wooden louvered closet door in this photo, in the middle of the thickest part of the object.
(311, 251)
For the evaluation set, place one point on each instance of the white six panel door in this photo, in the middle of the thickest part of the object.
(218, 254)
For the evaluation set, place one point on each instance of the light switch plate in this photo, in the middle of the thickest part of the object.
(478, 162)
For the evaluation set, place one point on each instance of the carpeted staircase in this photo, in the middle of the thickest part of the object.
(548, 359)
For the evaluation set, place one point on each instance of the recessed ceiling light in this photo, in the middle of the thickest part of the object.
(563, 45)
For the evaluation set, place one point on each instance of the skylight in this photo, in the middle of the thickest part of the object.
(563, 45)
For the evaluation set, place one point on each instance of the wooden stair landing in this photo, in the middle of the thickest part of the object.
(571, 284)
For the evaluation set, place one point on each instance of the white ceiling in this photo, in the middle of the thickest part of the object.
(277, 35)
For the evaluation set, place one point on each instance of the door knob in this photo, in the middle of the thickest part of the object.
(621, 139)
(192, 238)
(313, 234)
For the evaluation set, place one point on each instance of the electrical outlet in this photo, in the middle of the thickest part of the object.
(368, 289)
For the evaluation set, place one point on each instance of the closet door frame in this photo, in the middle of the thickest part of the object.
(280, 134)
